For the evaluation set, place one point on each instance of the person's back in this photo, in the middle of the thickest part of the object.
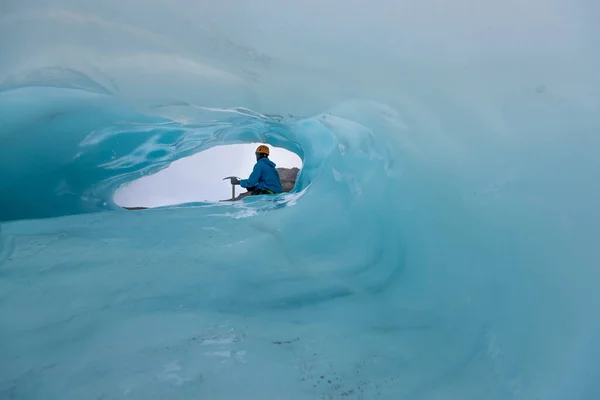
(264, 178)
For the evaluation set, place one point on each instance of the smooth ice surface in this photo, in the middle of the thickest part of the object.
(441, 243)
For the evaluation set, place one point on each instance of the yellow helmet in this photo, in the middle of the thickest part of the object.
(262, 149)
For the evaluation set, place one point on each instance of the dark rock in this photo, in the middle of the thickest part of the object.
(288, 178)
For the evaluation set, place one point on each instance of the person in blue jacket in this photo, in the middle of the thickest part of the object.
(264, 178)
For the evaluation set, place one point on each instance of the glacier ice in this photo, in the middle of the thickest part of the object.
(441, 242)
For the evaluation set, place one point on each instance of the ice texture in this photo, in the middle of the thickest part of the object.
(441, 242)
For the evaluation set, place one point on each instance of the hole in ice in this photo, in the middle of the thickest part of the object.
(200, 177)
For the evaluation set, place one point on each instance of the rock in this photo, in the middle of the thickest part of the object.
(288, 178)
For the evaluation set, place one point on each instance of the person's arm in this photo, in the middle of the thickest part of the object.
(253, 179)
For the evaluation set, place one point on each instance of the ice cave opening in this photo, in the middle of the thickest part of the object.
(200, 177)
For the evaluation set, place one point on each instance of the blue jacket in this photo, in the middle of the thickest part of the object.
(263, 176)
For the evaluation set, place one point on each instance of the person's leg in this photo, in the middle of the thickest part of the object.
(262, 191)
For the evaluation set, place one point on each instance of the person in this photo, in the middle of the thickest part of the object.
(264, 178)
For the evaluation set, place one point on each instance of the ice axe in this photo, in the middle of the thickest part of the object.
(233, 183)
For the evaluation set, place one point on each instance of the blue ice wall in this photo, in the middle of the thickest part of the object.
(441, 242)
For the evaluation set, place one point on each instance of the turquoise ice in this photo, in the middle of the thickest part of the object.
(441, 242)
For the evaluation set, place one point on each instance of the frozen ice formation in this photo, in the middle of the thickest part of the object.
(441, 241)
